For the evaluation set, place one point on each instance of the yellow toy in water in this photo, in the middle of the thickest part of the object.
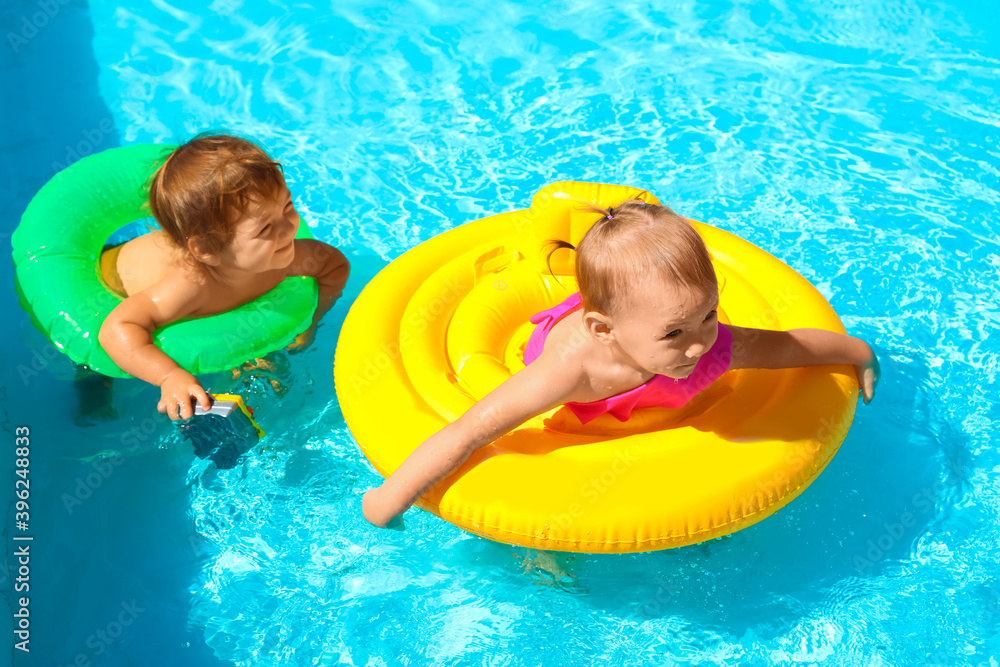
(447, 322)
(223, 433)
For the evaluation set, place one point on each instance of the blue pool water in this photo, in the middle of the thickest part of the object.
(858, 140)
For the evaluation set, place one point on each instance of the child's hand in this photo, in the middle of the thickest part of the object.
(302, 341)
(868, 376)
(176, 392)
(375, 512)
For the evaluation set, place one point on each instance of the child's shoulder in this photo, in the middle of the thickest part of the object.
(314, 258)
(571, 350)
(156, 295)
(145, 261)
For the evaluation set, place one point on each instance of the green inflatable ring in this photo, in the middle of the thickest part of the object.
(57, 248)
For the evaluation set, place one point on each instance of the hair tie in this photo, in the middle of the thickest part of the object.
(611, 211)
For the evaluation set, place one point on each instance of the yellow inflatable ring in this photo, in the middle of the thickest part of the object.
(446, 322)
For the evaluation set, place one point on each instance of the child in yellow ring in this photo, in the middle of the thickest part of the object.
(642, 331)
(227, 236)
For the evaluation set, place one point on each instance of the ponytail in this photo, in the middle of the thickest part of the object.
(556, 244)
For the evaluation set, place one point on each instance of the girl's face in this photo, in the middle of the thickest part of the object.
(264, 238)
(665, 329)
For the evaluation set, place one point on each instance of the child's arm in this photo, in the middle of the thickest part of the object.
(541, 386)
(127, 337)
(330, 269)
(762, 348)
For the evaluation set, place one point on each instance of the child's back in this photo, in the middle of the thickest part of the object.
(140, 263)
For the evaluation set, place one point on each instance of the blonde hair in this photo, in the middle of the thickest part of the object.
(634, 242)
(207, 184)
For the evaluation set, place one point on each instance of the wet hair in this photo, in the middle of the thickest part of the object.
(206, 185)
(634, 242)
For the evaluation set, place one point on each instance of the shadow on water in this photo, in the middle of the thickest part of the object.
(114, 551)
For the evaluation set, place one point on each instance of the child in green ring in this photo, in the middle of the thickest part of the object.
(227, 236)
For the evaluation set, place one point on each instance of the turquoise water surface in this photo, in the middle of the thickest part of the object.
(857, 140)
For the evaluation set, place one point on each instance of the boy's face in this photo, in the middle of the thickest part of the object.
(264, 238)
(665, 330)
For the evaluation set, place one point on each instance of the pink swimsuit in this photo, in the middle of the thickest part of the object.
(659, 390)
